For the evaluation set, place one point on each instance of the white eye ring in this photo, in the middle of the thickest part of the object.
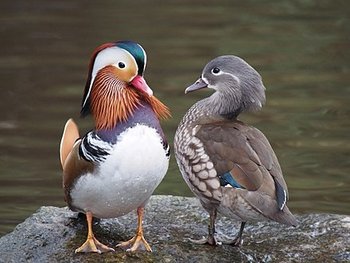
(216, 71)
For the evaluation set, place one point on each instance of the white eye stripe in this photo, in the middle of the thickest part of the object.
(226, 73)
(233, 76)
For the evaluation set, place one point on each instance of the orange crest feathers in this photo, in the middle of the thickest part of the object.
(161, 110)
(111, 100)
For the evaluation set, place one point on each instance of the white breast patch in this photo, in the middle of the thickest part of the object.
(127, 178)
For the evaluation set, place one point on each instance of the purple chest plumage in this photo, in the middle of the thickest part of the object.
(142, 115)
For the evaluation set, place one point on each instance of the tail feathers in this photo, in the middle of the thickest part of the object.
(69, 137)
(269, 207)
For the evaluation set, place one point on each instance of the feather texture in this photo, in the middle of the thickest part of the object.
(115, 167)
(113, 100)
(69, 137)
(230, 166)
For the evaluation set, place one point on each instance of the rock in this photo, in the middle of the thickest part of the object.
(52, 234)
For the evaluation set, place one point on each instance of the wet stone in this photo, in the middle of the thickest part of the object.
(52, 234)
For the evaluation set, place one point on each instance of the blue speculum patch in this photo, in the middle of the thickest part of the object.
(227, 178)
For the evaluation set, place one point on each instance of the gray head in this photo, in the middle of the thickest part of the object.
(238, 86)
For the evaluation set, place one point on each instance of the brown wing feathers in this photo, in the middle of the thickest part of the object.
(230, 153)
(244, 152)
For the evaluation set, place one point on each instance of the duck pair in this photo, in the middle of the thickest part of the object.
(114, 169)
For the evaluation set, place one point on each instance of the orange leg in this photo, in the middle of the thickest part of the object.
(138, 240)
(92, 244)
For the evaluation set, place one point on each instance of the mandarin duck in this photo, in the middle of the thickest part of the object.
(229, 165)
(114, 168)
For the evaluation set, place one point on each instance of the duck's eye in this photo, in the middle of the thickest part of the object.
(215, 71)
(121, 65)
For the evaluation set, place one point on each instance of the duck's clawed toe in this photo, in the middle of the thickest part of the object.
(238, 241)
(138, 242)
(93, 245)
(205, 241)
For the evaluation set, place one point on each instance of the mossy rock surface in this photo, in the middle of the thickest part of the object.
(52, 234)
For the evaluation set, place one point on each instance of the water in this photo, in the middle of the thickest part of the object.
(301, 48)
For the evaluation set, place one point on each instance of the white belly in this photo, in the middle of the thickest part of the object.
(127, 178)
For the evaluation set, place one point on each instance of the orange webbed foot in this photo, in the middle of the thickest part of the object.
(93, 245)
(138, 241)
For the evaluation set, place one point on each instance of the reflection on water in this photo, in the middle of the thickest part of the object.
(301, 48)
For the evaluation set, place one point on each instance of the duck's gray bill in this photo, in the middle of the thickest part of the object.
(199, 84)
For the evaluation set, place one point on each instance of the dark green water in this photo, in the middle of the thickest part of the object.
(301, 48)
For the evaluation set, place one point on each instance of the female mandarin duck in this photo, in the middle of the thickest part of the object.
(115, 168)
(229, 165)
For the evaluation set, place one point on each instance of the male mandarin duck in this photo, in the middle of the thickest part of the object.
(115, 167)
(229, 165)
